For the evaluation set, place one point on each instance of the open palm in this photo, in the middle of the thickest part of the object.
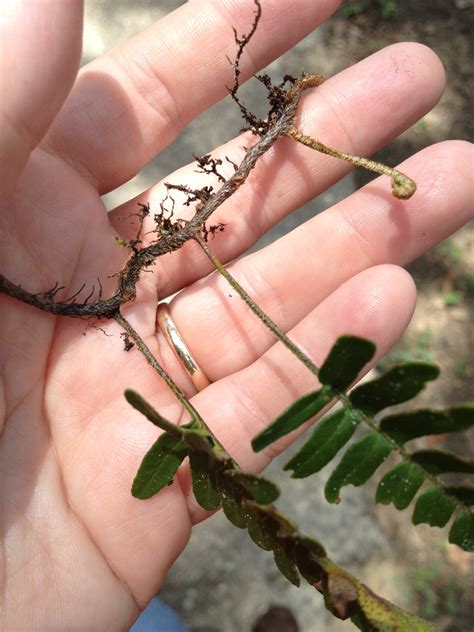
(78, 552)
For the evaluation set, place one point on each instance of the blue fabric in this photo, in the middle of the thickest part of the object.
(157, 617)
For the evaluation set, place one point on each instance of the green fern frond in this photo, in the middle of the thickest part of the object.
(434, 506)
(247, 503)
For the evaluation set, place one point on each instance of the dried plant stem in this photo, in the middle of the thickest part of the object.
(403, 187)
(268, 322)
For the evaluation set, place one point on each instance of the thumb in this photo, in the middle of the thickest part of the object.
(40, 48)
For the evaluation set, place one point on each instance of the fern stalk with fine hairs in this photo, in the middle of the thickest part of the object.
(266, 320)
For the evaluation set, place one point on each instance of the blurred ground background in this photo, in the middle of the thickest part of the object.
(223, 583)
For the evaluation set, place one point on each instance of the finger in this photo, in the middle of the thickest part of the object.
(130, 104)
(293, 275)
(358, 110)
(377, 304)
(40, 48)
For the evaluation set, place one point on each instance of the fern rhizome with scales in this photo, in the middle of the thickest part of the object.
(246, 499)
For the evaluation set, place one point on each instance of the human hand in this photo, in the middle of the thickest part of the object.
(79, 552)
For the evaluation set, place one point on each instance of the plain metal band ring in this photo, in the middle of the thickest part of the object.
(176, 342)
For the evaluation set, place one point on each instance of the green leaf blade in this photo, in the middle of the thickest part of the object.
(439, 462)
(419, 423)
(263, 491)
(433, 507)
(159, 465)
(293, 417)
(358, 464)
(327, 438)
(463, 493)
(345, 361)
(146, 409)
(397, 385)
(462, 531)
(308, 553)
(202, 476)
(400, 485)
(285, 561)
(230, 497)
(197, 440)
(256, 527)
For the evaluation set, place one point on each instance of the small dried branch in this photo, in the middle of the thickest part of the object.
(254, 124)
(209, 165)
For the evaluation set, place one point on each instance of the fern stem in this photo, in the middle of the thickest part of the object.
(177, 392)
(295, 350)
(401, 450)
(152, 361)
(403, 187)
